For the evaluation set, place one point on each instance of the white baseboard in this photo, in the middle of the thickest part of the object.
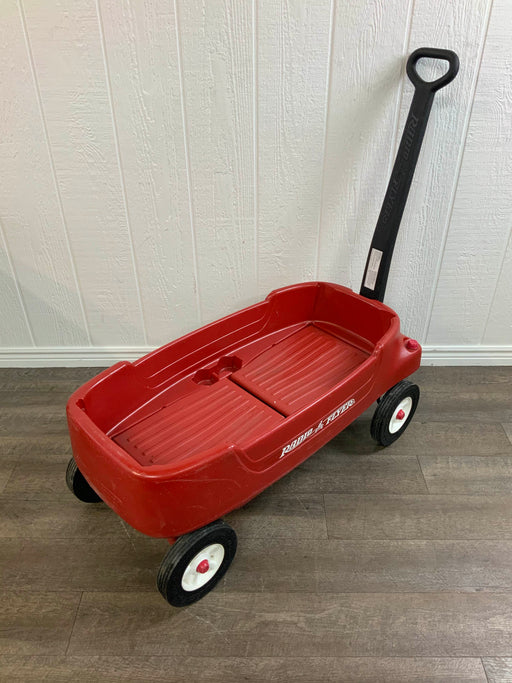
(69, 356)
(467, 355)
(95, 356)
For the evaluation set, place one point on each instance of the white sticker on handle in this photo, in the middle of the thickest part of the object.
(373, 269)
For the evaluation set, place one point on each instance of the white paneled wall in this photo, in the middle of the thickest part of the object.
(166, 162)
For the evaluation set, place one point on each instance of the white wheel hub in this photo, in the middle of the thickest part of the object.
(203, 567)
(400, 415)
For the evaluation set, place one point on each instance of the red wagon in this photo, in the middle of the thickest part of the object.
(197, 428)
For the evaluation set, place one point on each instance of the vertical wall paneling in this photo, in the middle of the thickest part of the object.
(121, 171)
(15, 329)
(166, 162)
(498, 330)
(496, 78)
(33, 224)
(482, 213)
(293, 61)
(141, 49)
(69, 65)
(367, 67)
(255, 143)
(216, 57)
(461, 26)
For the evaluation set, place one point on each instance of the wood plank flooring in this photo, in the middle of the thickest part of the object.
(363, 565)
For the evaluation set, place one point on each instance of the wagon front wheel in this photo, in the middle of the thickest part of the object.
(394, 412)
(196, 563)
(78, 484)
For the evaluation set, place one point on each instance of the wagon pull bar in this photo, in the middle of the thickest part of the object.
(384, 237)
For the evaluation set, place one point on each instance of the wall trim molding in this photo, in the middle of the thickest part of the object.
(102, 356)
(466, 355)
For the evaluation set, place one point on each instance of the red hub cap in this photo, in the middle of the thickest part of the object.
(400, 415)
(203, 567)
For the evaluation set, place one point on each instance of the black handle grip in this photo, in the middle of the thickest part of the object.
(432, 53)
(381, 250)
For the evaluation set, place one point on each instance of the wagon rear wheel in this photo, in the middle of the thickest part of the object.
(394, 412)
(78, 484)
(196, 563)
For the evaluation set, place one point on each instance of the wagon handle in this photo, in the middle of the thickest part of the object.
(384, 237)
(432, 53)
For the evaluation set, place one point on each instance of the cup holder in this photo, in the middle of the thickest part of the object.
(225, 366)
(205, 377)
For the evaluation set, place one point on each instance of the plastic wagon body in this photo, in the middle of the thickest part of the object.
(185, 490)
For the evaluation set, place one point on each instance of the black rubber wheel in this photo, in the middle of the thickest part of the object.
(78, 484)
(196, 563)
(394, 412)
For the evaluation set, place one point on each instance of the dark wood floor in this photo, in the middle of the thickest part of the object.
(364, 564)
